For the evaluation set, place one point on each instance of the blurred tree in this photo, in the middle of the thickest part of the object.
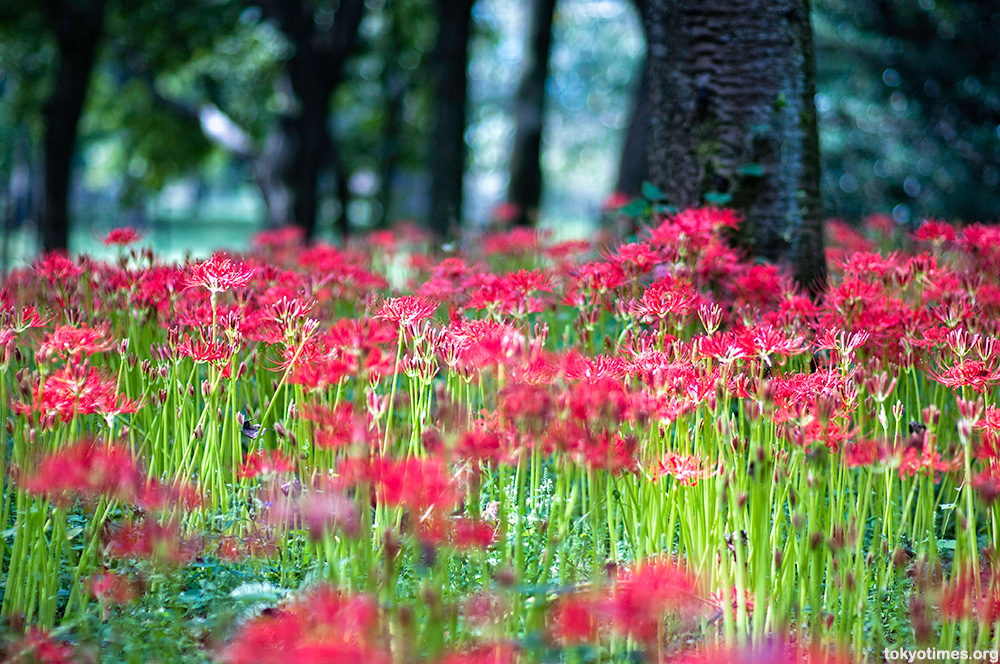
(450, 62)
(322, 38)
(633, 167)
(910, 107)
(77, 26)
(525, 188)
(733, 120)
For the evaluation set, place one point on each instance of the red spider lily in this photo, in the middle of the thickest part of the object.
(57, 268)
(219, 274)
(418, 484)
(636, 258)
(122, 237)
(721, 602)
(254, 544)
(159, 495)
(510, 294)
(765, 342)
(286, 236)
(75, 391)
(37, 647)
(599, 278)
(688, 470)
(526, 404)
(21, 319)
(263, 462)
(666, 297)
(111, 588)
(693, 229)
(726, 347)
(574, 620)
(336, 427)
(459, 533)
(969, 373)
(89, 469)
(322, 626)
(151, 540)
(481, 444)
(515, 242)
(72, 341)
(287, 313)
(932, 230)
(318, 510)
(471, 534)
(405, 311)
(638, 601)
(925, 462)
(841, 341)
(470, 344)
(206, 352)
(495, 654)
(864, 454)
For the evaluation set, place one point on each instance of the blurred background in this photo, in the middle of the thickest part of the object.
(194, 115)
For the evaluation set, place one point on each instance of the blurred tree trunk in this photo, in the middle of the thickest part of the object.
(525, 189)
(450, 62)
(395, 82)
(315, 70)
(633, 167)
(77, 25)
(731, 106)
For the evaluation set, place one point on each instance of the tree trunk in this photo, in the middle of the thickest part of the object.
(525, 190)
(633, 168)
(78, 25)
(315, 70)
(395, 82)
(732, 112)
(450, 72)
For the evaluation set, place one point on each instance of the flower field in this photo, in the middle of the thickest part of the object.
(526, 452)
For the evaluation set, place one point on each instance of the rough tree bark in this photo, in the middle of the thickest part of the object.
(731, 106)
(315, 70)
(450, 79)
(77, 25)
(525, 189)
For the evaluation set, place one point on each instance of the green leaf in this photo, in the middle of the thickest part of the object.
(651, 192)
(717, 197)
(636, 208)
(663, 208)
(751, 169)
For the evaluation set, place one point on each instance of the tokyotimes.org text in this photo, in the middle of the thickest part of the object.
(936, 655)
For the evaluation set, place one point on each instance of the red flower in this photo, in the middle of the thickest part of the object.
(151, 540)
(405, 311)
(419, 484)
(37, 647)
(969, 373)
(113, 588)
(666, 297)
(265, 463)
(121, 237)
(89, 469)
(219, 274)
(932, 230)
(688, 470)
(68, 340)
(472, 534)
(322, 626)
